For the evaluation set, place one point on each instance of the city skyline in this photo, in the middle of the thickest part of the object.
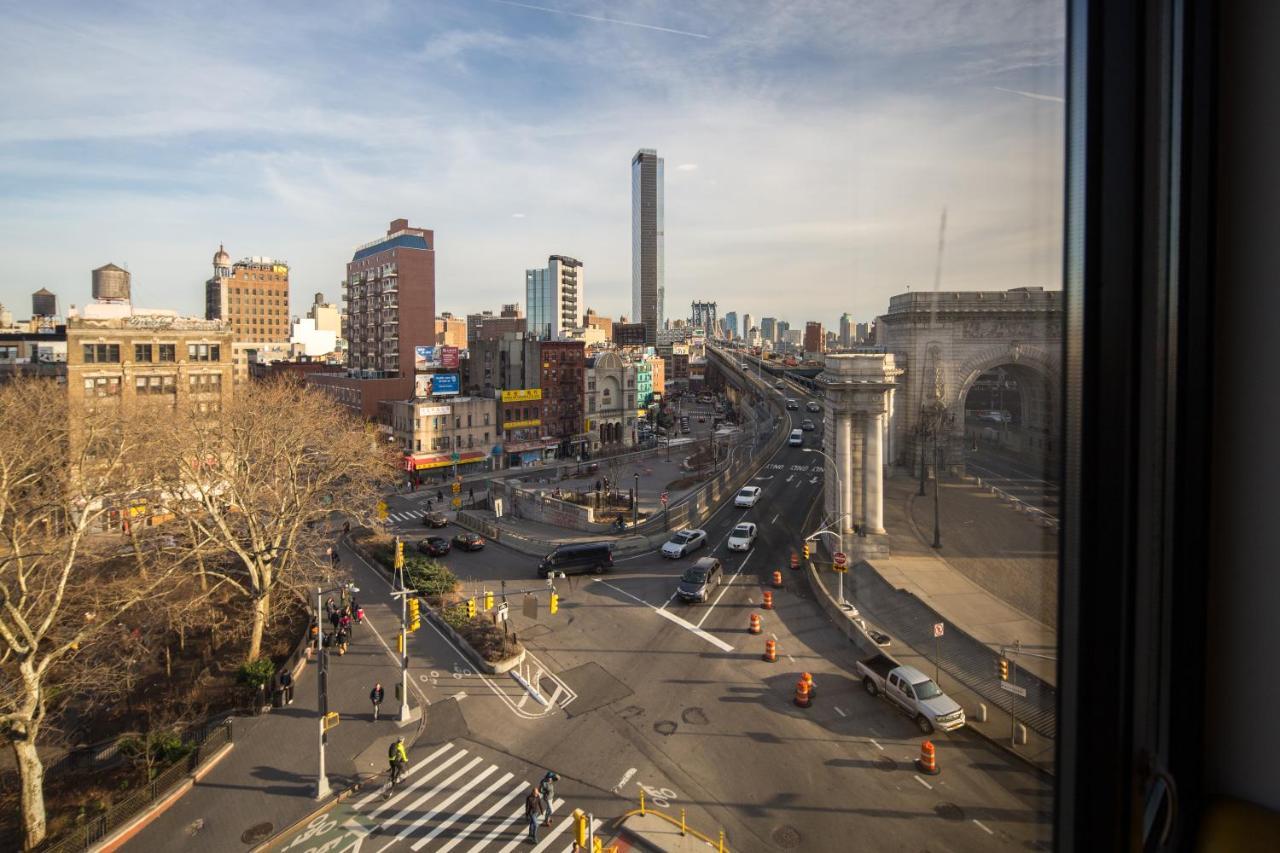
(276, 159)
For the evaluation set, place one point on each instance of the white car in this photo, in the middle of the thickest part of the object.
(747, 496)
(684, 542)
(742, 537)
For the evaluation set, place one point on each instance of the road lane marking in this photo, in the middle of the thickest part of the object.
(683, 623)
(626, 777)
(841, 713)
(790, 658)
(725, 587)
(877, 743)
(789, 478)
(921, 781)
(983, 827)
(520, 836)
(431, 774)
(465, 810)
(475, 780)
(668, 601)
(426, 762)
(775, 517)
(521, 787)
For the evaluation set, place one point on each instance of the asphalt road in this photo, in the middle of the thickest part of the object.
(633, 691)
(1023, 479)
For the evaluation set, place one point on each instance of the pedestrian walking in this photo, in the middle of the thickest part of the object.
(342, 641)
(471, 494)
(547, 790)
(286, 686)
(532, 810)
(440, 495)
(334, 616)
(344, 622)
(428, 504)
(336, 557)
(330, 606)
(375, 696)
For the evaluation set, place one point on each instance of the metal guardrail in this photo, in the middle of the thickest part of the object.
(210, 739)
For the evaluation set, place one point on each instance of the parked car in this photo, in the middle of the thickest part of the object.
(684, 542)
(700, 579)
(792, 405)
(435, 519)
(807, 425)
(742, 537)
(468, 542)
(578, 558)
(435, 546)
(912, 691)
(747, 496)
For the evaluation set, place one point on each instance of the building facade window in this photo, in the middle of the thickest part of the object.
(155, 385)
(204, 352)
(102, 386)
(142, 352)
(101, 353)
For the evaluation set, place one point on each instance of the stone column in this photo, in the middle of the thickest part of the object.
(873, 472)
(844, 469)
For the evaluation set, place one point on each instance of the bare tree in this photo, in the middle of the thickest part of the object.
(261, 480)
(61, 474)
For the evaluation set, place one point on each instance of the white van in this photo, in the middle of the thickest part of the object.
(797, 438)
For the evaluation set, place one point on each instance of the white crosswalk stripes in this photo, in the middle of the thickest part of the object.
(453, 798)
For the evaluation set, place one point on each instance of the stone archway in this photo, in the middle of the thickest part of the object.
(1007, 400)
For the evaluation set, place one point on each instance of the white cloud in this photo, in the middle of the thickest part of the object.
(687, 167)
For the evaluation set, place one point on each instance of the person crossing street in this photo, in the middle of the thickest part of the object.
(547, 791)
(397, 758)
(375, 696)
(532, 809)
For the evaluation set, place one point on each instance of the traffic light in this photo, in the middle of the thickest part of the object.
(488, 600)
(806, 550)
(399, 644)
(555, 602)
(580, 828)
(471, 607)
(415, 621)
(399, 554)
(1004, 669)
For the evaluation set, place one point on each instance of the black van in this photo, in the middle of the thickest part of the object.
(578, 559)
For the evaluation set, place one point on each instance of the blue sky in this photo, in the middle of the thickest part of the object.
(810, 146)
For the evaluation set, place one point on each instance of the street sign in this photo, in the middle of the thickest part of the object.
(330, 720)
(937, 629)
(504, 612)
(530, 606)
(454, 457)
(665, 497)
(840, 559)
(1014, 689)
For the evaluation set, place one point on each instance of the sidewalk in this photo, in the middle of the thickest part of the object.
(267, 781)
(986, 547)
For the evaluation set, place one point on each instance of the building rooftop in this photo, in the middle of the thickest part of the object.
(402, 240)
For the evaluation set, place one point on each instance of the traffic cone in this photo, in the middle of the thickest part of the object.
(802, 694)
(770, 651)
(795, 560)
(755, 624)
(927, 762)
(767, 604)
(808, 680)
(777, 580)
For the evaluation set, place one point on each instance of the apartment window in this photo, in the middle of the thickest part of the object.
(155, 385)
(206, 383)
(204, 352)
(8, 354)
(209, 408)
(486, 438)
(102, 386)
(486, 420)
(468, 420)
(142, 352)
(101, 353)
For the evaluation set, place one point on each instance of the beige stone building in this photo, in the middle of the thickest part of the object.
(432, 431)
(157, 356)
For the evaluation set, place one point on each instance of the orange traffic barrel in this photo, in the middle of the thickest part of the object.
(755, 624)
(927, 762)
(767, 604)
(777, 580)
(770, 651)
(795, 560)
(803, 698)
(808, 680)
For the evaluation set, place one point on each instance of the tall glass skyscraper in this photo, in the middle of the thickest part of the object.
(647, 269)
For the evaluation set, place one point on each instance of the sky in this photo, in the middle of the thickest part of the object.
(810, 146)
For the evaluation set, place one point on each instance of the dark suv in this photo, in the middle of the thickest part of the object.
(578, 559)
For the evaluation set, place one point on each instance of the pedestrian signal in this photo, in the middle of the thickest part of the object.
(1004, 669)
(415, 621)
(555, 602)
(488, 600)
(471, 607)
(399, 554)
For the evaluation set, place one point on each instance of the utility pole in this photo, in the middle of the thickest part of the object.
(322, 781)
(635, 503)
(937, 485)
(404, 636)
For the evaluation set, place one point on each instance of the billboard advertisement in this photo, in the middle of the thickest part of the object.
(424, 358)
(448, 357)
(522, 395)
(444, 383)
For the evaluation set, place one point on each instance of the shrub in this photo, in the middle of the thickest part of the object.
(429, 577)
(455, 616)
(256, 673)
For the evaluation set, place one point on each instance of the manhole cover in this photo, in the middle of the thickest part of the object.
(949, 811)
(786, 836)
(257, 833)
(694, 716)
(886, 764)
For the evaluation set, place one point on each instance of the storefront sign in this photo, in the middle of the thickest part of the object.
(431, 411)
(422, 462)
(510, 425)
(522, 395)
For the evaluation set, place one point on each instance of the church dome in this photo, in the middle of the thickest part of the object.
(222, 259)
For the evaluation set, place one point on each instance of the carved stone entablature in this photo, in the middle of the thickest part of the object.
(1010, 327)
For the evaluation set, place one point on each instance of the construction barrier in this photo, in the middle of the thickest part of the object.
(802, 694)
(767, 604)
(770, 651)
(777, 580)
(927, 762)
(755, 624)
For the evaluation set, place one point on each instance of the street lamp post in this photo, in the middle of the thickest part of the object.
(635, 503)
(841, 515)
(322, 685)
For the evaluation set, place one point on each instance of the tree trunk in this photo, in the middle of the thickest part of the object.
(31, 772)
(261, 608)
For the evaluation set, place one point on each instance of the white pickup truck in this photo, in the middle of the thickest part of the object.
(912, 691)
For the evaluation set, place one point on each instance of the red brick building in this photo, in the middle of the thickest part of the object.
(814, 339)
(391, 301)
(562, 382)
